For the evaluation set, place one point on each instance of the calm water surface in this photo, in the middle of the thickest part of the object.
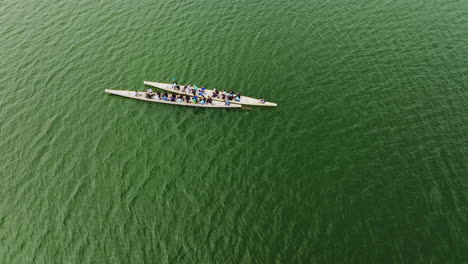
(364, 161)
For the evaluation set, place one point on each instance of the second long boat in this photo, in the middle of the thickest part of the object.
(244, 100)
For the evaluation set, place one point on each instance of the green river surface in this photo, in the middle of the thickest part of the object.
(365, 159)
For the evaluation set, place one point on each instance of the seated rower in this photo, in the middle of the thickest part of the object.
(148, 95)
(262, 100)
(227, 102)
(203, 101)
(179, 100)
(156, 96)
(223, 96)
(137, 93)
(237, 98)
(209, 100)
(172, 98)
(187, 88)
(187, 98)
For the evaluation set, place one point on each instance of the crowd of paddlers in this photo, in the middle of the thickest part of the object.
(201, 91)
(177, 98)
(198, 95)
(194, 94)
(195, 90)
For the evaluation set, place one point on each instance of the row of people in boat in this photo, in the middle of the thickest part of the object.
(179, 98)
(195, 90)
(196, 99)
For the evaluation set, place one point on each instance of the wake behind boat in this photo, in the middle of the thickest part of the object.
(244, 100)
(143, 97)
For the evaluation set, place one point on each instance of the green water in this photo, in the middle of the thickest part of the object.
(365, 160)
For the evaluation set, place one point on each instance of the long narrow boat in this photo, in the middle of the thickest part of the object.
(142, 97)
(245, 100)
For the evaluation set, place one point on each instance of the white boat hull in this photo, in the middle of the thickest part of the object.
(142, 97)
